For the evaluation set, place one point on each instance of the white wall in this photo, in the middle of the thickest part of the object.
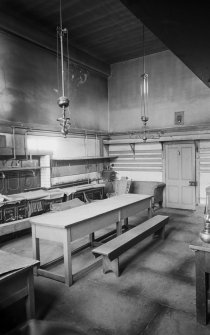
(61, 147)
(64, 148)
(204, 169)
(144, 164)
(173, 87)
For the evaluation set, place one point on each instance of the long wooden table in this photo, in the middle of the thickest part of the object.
(72, 224)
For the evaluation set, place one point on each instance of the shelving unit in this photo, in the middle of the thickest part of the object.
(129, 141)
(79, 165)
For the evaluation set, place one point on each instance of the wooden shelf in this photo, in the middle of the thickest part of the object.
(20, 168)
(9, 152)
(85, 158)
(128, 141)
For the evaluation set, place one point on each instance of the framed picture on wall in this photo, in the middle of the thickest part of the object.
(179, 118)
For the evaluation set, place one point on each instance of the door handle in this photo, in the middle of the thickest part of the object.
(192, 183)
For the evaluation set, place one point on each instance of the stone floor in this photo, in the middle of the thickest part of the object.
(155, 293)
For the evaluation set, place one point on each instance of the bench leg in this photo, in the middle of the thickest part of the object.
(119, 227)
(111, 266)
(160, 233)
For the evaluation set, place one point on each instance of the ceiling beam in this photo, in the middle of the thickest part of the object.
(44, 39)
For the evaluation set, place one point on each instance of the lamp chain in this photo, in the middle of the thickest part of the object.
(63, 101)
(144, 91)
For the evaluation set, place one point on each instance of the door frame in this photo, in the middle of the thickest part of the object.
(197, 175)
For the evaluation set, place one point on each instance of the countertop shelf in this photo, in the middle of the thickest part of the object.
(16, 168)
(128, 141)
(86, 158)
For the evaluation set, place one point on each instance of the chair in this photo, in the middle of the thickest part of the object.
(153, 188)
(120, 186)
(66, 205)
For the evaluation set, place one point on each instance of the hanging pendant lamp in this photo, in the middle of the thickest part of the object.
(144, 88)
(63, 101)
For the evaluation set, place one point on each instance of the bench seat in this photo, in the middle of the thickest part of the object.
(114, 248)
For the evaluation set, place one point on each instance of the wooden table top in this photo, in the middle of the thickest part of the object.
(66, 218)
(73, 189)
(11, 262)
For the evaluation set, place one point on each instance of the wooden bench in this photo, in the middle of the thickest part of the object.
(114, 248)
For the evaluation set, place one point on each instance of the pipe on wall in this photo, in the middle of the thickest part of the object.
(13, 142)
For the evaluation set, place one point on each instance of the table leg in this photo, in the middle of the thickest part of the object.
(150, 210)
(92, 238)
(201, 288)
(126, 223)
(30, 301)
(119, 225)
(35, 247)
(67, 257)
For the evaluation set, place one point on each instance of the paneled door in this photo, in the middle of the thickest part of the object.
(180, 176)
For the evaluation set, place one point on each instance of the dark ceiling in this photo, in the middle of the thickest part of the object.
(105, 29)
(183, 26)
(111, 30)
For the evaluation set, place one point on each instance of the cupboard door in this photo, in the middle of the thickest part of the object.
(13, 182)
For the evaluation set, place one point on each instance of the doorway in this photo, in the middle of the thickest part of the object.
(180, 175)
